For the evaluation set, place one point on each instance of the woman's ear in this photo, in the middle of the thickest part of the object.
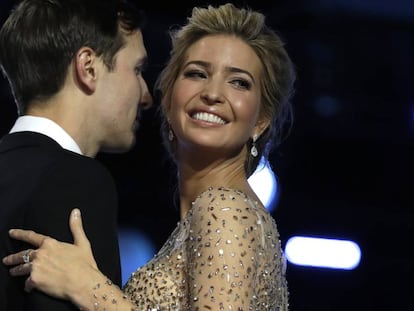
(85, 67)
(261, 125)
(166, 107)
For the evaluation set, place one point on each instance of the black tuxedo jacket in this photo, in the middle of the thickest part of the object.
(40, 183)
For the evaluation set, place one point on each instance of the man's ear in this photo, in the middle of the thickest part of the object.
(85, 67)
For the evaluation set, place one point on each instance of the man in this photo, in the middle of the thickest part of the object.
(75, 70)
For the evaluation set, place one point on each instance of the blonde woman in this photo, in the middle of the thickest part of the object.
(225, 99)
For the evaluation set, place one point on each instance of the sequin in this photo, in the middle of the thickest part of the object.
(224, 255)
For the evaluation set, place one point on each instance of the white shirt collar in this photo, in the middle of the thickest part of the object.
(46, 127)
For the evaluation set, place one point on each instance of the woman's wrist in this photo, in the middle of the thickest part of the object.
(100, 294)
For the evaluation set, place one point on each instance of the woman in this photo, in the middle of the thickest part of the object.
(225, 99)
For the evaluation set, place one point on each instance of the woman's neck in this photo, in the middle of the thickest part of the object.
(194, 179)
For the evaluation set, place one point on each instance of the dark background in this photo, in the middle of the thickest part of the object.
(346, 170)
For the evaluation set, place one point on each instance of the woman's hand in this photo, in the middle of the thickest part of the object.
(56, 268)
(66, 271)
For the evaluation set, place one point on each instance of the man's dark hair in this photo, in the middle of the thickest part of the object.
(40, 38)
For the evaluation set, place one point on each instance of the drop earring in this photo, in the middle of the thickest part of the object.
(170, 134)
(253, 149)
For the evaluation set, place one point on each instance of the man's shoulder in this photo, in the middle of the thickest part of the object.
(41, 157)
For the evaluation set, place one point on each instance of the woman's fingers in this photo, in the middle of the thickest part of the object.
(28, 285)
(75, 224)
(22, 269)
(79, 236)
(25, 256)
(22, 257)
(29, 236)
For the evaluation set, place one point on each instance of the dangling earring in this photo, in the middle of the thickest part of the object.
(170, 134)
(253, 150)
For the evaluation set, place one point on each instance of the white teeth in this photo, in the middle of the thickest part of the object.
(208, 117)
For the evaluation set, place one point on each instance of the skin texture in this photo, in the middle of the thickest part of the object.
(121, 92)
(104, 103)
(222, 80)
(221, 77)
(79, 252)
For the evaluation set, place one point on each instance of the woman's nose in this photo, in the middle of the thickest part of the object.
(212, 93)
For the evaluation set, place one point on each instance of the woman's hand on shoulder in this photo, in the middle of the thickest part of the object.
(57, 268)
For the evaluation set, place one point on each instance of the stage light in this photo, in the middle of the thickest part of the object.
(135, 250)
(323, 252)
(264, 184)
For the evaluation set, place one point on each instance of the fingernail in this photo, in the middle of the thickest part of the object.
(76, 213)
(11, 231)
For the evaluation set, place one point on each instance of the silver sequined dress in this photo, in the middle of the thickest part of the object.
(224, 255)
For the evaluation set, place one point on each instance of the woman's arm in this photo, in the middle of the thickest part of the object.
(66, 271)
(223, 252)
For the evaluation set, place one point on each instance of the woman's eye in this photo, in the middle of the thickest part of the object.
(242, 84)
(194, 74)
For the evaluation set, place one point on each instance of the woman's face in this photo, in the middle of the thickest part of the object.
(215, 101)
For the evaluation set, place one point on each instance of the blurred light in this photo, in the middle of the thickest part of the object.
(327, 106)
(135, 251)
(321, 252)
(263, 182)
(412, 114)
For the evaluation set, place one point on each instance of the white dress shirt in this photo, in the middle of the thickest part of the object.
(46, 127)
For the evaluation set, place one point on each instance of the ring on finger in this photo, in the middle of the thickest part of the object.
(26, 256)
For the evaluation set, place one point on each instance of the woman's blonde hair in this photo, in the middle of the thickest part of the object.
(278, 74)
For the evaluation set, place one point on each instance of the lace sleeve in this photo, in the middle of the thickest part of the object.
(222, 251)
